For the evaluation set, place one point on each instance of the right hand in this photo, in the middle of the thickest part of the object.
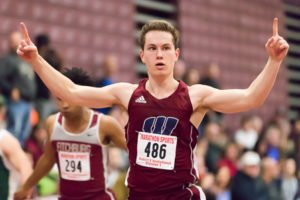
(22, 194)
(27, 50)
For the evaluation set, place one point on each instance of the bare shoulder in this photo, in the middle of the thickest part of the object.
(8, 143)
(124, 91)
(8, 139)
(50, 123)
(107, 121)
(124, 86)
(200, 90)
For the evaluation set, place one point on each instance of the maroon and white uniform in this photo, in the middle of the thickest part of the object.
(161, 140)
(82, 160)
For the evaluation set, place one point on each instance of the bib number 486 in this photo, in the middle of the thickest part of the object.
(154, 149)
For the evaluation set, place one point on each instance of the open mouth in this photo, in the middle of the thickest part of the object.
(159, 64)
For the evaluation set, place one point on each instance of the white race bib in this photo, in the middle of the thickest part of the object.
(75, 165)
(156, 151)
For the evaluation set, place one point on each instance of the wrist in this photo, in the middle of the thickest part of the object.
(274, 61)
(34, 62)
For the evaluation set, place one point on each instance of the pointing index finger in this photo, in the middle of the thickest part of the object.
(275, 26)
(25, 33)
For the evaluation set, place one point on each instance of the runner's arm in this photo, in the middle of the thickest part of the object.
(110, 128)
(63, 87)
(237, 100)
(44, 165)
(16, 156)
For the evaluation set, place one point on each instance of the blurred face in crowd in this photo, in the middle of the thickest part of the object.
(297, 126)
(257, 124)
(232, 152)
(223, 177)
(273, 136)
(270, 168)
(15, 39)
(40, 134)
(193, 76)
(179, 70)
(111, 65)
(289, 169)
(214, 71)
(251, 170)
(159, 53)
(212, 131)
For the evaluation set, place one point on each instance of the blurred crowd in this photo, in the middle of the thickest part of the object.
(260, 160)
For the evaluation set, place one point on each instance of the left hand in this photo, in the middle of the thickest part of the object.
(276, 46)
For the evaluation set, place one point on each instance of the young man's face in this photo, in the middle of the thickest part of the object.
(67, 109)
(159, 53)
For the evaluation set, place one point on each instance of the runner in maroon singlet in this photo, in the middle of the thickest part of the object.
(76, 142)
(163, 112)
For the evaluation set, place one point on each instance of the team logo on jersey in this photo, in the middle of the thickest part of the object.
(160, 125)
(141, 99)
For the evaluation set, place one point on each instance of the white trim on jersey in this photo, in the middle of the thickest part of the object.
(192, 160)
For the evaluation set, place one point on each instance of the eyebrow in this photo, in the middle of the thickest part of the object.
(166, 44)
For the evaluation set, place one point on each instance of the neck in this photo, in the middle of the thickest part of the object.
(161, 87)
(78, 121)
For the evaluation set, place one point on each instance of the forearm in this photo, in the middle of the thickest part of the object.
(58, 84)
(262, 85)
(25, 172)
(43, 166)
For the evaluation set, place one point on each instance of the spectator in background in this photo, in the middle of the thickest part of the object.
(15, 167)
(289, 182)
(230, 159)
(246, 137)
(258, 124)
(268, 182)
(208, 184)
(214, 149)
(222, 187)
(110, 67)
(179, 70)
(272, 139)
(191, 77)
(295, 136)
(36, 142)
(211, 78)
(17, 83)
(244, 183)
(43, 103)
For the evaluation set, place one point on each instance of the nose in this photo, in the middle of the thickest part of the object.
(159, 53)
(64, 104)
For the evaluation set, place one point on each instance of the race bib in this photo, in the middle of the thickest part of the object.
(156, 151)
(75, 165)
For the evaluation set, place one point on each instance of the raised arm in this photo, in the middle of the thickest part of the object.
(44, 165)
(236, 100)
(64, 88)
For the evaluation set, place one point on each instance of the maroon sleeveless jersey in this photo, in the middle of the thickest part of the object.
(81, 160)
(160, 139)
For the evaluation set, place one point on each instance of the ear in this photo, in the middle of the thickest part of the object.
(142, 55)
(177, 53)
